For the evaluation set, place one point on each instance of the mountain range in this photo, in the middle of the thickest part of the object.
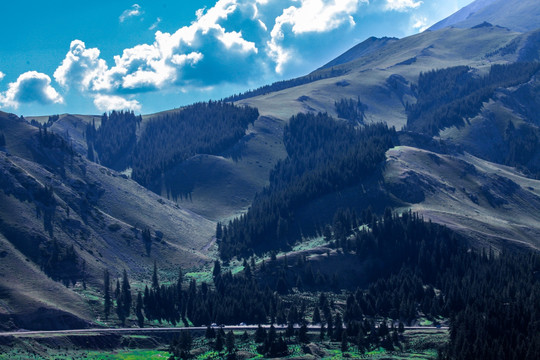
(468, 159)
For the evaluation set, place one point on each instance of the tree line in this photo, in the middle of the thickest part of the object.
(323, 156)
(350, 109)
(446, 97)
(166, 139)
(114, 139)
(284, 84)
(201, 128)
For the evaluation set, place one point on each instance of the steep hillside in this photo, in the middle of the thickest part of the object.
(383, 78)
(482, 200)
(70, 219)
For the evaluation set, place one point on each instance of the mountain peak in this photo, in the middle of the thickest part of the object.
(517, 15)
(366, 47)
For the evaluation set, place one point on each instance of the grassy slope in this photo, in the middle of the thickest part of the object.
(367, 76)
(24, 288)
(114, 199)
(225, 185)
(459, 191)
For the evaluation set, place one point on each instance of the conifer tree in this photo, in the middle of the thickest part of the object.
(155, 280)
(138, 310)
(106, 294)
(230, 342)
(126, 294)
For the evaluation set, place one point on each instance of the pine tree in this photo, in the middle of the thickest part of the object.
(138, 310)
(218, 346)
(120, 310)
(344, 343)
(230, 342)
(126, 294)
(155, 280)
(316, 316)
(106, 294)
(210, 332)
(260, 334)
(302, 334)
(217, 269)
(219, 231)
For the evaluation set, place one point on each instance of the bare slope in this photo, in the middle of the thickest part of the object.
(482, 200)
(220, 187)
(52, 201)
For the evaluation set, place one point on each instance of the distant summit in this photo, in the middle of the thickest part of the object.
(366, 47)
(516, 15)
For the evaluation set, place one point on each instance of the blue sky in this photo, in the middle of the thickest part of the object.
(90, 57)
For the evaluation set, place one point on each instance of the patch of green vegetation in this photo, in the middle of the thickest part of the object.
(425, 322)
(18, 354)
(309, 244)
(128, 355)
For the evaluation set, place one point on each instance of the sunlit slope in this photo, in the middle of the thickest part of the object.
(518, 15)
(382, 79)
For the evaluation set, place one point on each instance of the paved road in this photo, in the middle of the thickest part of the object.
(121, 331)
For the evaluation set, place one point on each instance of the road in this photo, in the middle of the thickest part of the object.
(127, 331)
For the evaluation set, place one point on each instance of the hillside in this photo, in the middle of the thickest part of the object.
(71, 219)
(488, 202)
(383, 79)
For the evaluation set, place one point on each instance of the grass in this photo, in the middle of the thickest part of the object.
(91, 355)
(416, 344)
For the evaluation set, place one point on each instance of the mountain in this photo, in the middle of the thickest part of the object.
(459, 145)
(386, 82)
(366, 47)
(519, 16)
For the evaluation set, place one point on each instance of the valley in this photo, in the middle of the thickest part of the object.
(384, 205)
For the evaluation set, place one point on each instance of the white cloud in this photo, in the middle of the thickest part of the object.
(402, 5)
(420, 23)
(231, 42)
(113, 102)
(168, 61)
(312, 16)
(2, 75)
(31, 86)
(134, 10)
(81, 67)
(155, 24)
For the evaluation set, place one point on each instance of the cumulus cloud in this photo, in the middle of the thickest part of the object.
(402, 5)
(2, 75)
(133, 11)
(81, 67)
(31, 86)
(312, 16)
(113, 102)
(231, 42)
(170, 60)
